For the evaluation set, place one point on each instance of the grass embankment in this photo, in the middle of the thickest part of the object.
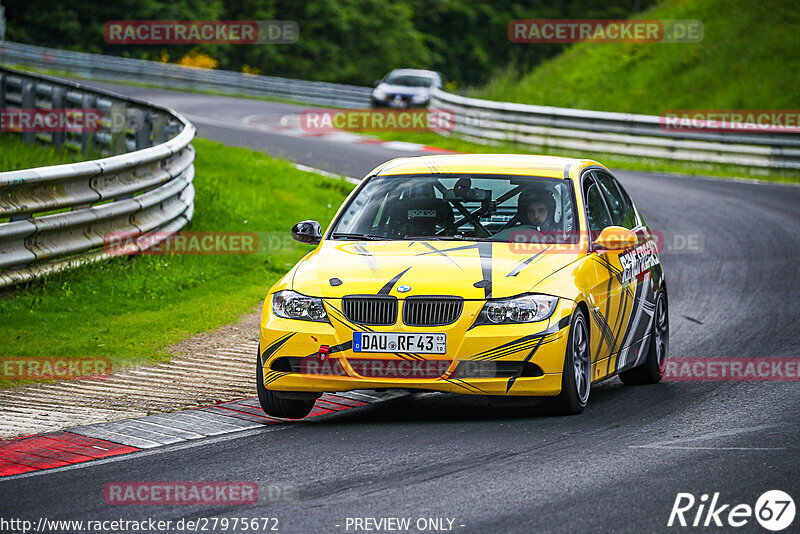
(748, 59)
(130, 308)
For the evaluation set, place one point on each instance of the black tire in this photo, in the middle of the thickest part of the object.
(576, 380)
(655, 363)
(279, 406)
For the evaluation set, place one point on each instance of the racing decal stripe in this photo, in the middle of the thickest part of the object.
(527, 359)
(521, 266)
(464, 382)
(549, 338)
(605, 331)
(620, 320)
(445, 250)
(513, 343)
(633, 319)
(390, 284)
(271, 376)
(645, 307)
(639, 301)
(485, 252)
(274, 346)
(435, 250)
(517, 345)
(339, 316)
(507, 351)
(464, 385)
(367, 255)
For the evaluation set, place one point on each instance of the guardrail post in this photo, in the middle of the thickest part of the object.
(118, 128)
(3, 90)
(28, 101)
(58, 98)
(143, 129)
(89, 102)
(159, 126)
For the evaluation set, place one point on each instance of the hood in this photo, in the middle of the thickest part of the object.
(403, 89)
(460, 268)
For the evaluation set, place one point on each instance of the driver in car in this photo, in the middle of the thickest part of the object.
(534, 212)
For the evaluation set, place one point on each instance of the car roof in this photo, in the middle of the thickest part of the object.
(513, 164)
(416, 72)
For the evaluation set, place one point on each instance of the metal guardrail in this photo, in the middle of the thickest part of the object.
(176, 76)
(626, 134)
(54, 218)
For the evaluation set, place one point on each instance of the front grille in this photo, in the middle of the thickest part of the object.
(370, 309)
(431, 311)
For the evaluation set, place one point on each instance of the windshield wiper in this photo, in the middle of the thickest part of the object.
(368, 237)
(425, 237)
(446, 238)
(468, 238)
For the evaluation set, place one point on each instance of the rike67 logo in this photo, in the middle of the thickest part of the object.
(774, 510)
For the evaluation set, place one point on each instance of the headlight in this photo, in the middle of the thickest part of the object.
(293, 305)
(419, 98)
(379, 94)
(525, 309)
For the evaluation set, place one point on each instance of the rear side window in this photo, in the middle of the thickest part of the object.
(597, 216)
(630, 211)
(612, 196)
(622, 212)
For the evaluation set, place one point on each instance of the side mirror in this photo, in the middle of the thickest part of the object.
(616, 238)
(309, 232)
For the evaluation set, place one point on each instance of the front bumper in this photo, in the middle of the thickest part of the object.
(407, 103)
(542, 344)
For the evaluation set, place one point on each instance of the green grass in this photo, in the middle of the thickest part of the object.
(748, 59)
(131, 308)
(15, 154)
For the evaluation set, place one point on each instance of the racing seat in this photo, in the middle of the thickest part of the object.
(421, 216)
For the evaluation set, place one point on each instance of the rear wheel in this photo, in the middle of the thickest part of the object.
(655, 364)
(576, 379)
(277, 405)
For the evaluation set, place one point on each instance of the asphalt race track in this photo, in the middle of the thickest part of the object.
(503, 467)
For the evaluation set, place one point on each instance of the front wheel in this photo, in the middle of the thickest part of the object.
(276, 405)
(576, 379)
(655, 364)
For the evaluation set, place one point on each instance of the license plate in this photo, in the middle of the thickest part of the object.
(397, 102)
(399, 342)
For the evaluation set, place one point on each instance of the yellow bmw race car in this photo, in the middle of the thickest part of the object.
(476, 274)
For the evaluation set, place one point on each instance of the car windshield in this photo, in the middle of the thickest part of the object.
(453, 207)
(408, 80)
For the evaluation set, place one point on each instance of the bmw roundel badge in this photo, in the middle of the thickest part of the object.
(404, 289)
